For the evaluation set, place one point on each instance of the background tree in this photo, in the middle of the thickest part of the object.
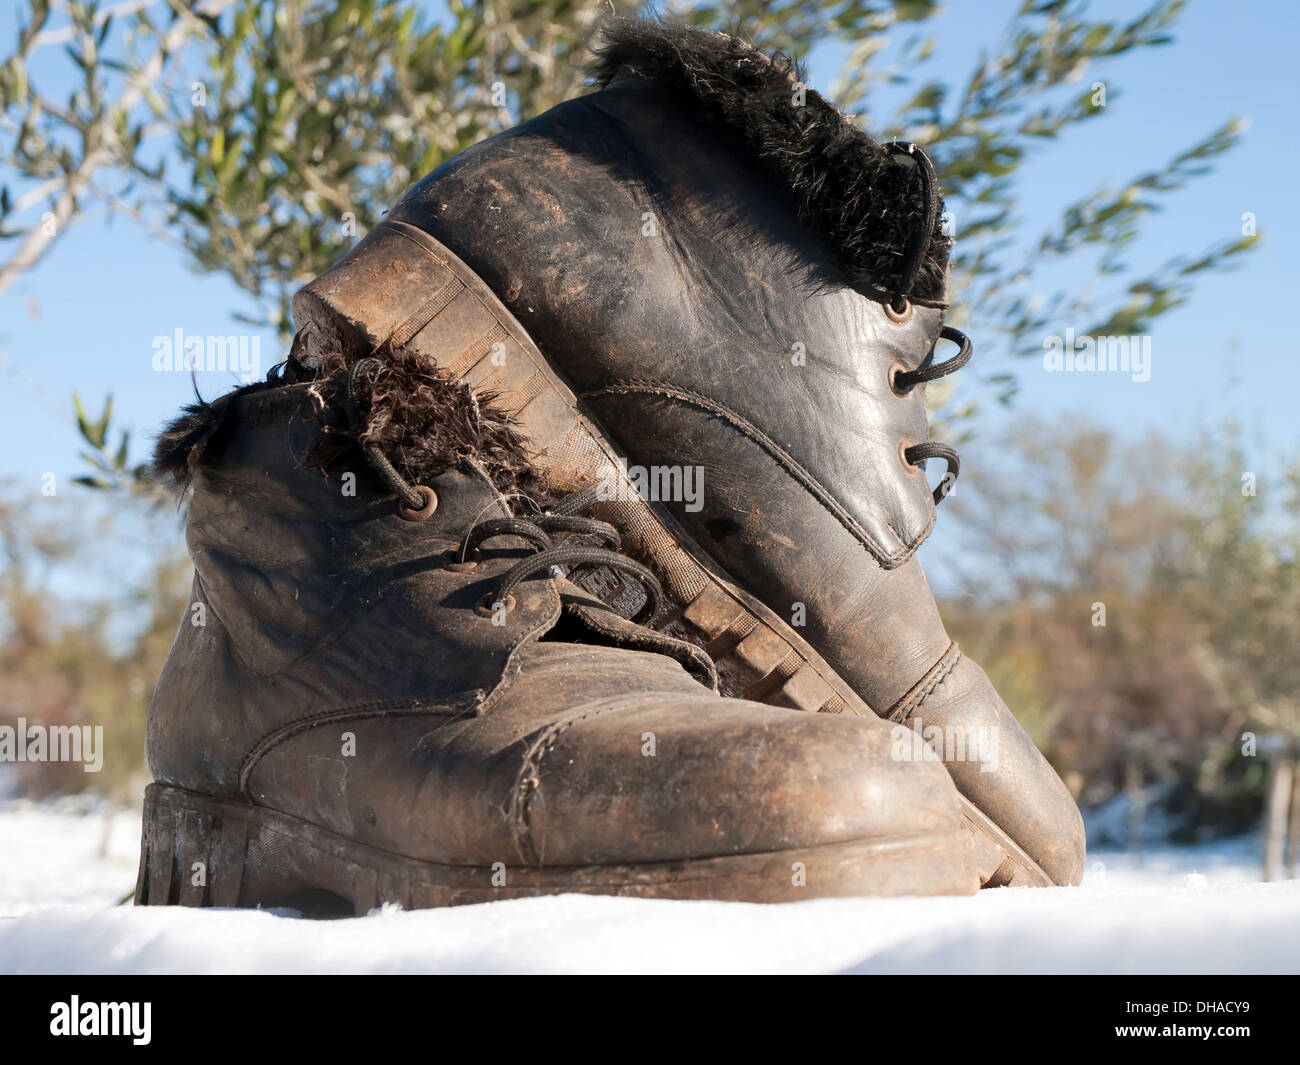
(65, 155)
(83, 634)
(292, 126)
(1140, 617)
(265, 138)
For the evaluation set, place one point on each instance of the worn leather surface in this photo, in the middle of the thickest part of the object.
(1023, 795)
(680, 342)
(556, 773)
(343, 676)
(879, 626)
(716, 304)
(316, 601)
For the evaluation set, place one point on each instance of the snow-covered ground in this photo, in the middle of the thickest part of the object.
(64, 866)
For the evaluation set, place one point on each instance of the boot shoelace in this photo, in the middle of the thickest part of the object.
(561, 560)
(923, 230)
(419, 501)
(899, 309)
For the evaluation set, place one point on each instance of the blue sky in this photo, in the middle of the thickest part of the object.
(86, 318)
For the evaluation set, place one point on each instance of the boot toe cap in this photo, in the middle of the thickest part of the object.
(1017, 788)
(674, 773)
(701, 777)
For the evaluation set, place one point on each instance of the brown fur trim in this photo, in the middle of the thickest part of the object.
(421, 418)
(425, 421)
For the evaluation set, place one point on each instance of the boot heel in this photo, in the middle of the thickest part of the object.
(201, 850)
(192, 850)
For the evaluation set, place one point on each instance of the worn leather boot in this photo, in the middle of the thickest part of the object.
(704, 267)
(388, 692)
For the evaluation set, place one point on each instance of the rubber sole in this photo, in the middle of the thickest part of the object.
(199, 850)
(459, 322)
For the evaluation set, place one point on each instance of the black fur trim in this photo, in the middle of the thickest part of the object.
(847, 188)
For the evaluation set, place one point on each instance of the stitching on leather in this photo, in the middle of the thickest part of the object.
(480, 702)
(510, 671)
(528, 781)
(888, 560)
(388, 707)
(924, 688)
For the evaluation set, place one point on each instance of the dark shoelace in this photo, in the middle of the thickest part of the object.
(905, 381)
(928, 371)
(923, 230)
(420, 501)
(555, 559)
(417, 500)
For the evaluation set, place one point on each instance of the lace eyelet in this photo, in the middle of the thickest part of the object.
(897, 316)
(456, 565)
(487, 605)
(426, 511)
(911, 467)
(895, 370)
(932, 449)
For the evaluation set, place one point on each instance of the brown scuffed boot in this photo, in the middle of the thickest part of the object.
(704, 267)
(387, 691)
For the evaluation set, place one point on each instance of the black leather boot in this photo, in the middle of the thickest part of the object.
(704, 265)
(385, 691)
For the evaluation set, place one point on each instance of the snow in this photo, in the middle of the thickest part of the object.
(65, 865)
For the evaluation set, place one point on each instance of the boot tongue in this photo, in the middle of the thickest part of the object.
(602, 625)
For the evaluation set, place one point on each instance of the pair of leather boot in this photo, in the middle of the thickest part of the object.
(572, 549)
